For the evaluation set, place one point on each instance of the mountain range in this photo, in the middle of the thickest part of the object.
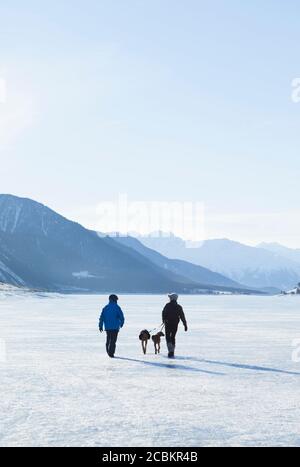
(264, 266)
(283, 251)
(183, 268)
(43, 250)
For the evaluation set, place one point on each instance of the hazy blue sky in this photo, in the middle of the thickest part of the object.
(164, 100)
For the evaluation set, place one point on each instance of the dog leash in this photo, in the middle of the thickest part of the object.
(159, 327)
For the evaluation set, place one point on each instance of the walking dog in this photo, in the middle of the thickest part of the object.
(144, 338)
(156, 339)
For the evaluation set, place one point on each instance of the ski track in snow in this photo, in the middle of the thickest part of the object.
(233, 382)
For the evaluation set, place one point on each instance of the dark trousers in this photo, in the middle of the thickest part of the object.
(171, 331)
(111, 340)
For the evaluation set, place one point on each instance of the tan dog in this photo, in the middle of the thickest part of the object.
(144, 337)
(156, 339)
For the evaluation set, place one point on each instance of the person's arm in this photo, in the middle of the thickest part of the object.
(164, 315)
(182, 317)
(101, 319)
(121, 317)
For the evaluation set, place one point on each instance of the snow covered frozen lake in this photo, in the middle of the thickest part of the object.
(234, 382)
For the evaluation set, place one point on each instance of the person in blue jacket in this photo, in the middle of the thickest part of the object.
(112, 318)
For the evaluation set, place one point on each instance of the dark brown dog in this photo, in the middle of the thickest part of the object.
(144, 337)
(156, 339)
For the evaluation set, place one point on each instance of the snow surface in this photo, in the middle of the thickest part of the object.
(7, 289)
(233, 383)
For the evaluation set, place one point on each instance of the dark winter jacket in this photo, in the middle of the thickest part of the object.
(173, 313)
(112, 317)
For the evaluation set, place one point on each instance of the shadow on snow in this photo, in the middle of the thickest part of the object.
(240, 366)
(169, 366)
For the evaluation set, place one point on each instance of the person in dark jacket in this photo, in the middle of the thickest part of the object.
(172, 314)
(112, 318)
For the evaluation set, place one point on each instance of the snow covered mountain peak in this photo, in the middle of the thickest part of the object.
(25, 216)
(267, 266)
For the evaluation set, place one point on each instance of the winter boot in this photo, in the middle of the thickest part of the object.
(171, 349)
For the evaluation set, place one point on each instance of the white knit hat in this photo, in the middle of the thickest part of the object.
(173, 296)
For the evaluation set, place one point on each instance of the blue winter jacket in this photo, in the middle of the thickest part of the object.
(112, 317)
